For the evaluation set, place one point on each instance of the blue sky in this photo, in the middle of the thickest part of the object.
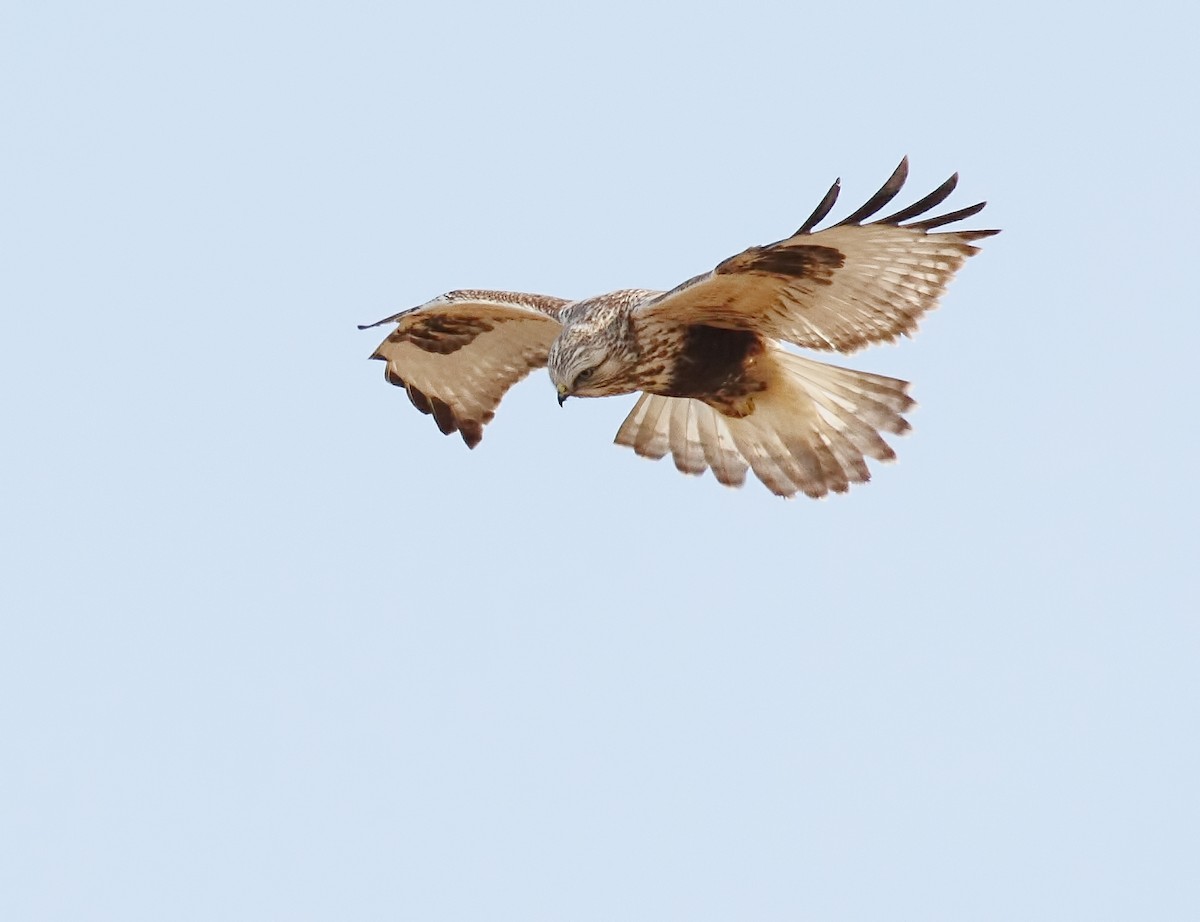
(273, 648)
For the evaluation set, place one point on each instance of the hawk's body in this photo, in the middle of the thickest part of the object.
(718, 389)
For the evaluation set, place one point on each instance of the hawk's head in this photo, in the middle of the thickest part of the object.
(582, 364)
(594, 354)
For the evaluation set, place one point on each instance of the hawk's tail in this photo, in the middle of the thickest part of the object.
(811, 429)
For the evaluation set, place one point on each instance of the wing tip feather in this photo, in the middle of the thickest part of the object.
(950, 218)
(888, 191)
(443, 415)
(823, 208)
(418, 399)
(471, 431)
(932, 200)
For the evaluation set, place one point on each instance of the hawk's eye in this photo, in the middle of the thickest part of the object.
(585, 374)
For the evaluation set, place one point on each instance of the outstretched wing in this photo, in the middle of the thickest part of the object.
(837, 289)
(457, 355)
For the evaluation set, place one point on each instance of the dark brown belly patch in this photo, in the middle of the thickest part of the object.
(718, 366)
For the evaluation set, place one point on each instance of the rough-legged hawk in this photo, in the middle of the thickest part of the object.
(718, 389)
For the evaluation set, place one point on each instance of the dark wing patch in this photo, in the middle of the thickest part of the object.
(441, 334)
(813, 263)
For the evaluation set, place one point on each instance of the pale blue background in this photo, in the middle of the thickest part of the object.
(273, 648)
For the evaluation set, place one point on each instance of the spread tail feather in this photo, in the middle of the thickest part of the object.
(810, 432)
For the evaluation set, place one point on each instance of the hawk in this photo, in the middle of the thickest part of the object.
(718, 388)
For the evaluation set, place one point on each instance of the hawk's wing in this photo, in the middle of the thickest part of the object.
(457, 355)
(836, 289)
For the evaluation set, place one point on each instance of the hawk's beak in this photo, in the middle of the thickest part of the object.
(563, 394)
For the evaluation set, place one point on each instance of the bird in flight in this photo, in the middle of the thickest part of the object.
(718, 388)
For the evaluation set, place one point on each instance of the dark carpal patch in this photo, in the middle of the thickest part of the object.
(715, 362)
(441, 334)
(815, 263)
